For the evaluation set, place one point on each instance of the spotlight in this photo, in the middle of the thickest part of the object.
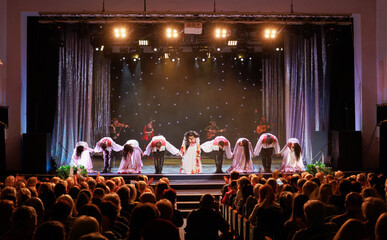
(232, 43)
(172, 33)
(270, 33)
(155, 49)
(218, 49)
(166, 55)
(143, 42)
(120, 32)
(221, 33)
(102, 47)
(203, 59)
(173, 60)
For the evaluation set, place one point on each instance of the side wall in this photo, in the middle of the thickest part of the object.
(13, 80)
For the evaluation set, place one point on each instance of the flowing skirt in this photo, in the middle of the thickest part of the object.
(191, 163)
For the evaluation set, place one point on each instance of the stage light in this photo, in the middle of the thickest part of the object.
(102, 47)
(155, 49)
(172, 33)
(218, 49)
(232, 43)
(166, 55)
(120, 32)
(143, 42)
(203, 59)
(173, 60)
(270, 33)
(221, 33)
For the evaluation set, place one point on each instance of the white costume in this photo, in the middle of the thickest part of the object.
(290, 163)
(240, 163)
(262, 144)
(191, 162)
(110, 145)
(213, 145)
(132, 163)
(84, 159)
(165, 145)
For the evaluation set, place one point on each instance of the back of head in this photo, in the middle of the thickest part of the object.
(381, 227)
(141, 215)
(353, 201)
(286, 201)
(351, 229)
(344, 186)
(273, 183)
(62, 210)
(298, 206)
(266, 193)
(128, 149)
(372, 208)
(79, 150)
(160, 229)
(148, 197)
(92, 211)
(269, 140)
(83, 225)
(133, 192)
(314, 212)
(207, 201)
(234, 175)
(6, 210)
(310, 189)
(98, 193)
(50, 230)
(165, 208)
(109, 209)
(124, 194)
(170, 194)
(297, 150)
(37, 204)
(24, 220)
(160, 187)
(59, 189)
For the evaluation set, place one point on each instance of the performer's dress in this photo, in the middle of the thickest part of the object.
(84, 159)
(132, 163)
(290, 163)
(240, 163)
(191, 162)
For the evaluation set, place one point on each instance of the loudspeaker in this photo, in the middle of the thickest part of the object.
(36, 153)
(346, 150)
(319, 145)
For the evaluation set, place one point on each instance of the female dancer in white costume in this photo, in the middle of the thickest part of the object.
(131, 158)
(292, 157)
(242, 157)
(81, 156)
(190, 152)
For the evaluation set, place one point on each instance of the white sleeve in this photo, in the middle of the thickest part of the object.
(207, 146)
(172, 149)
(251, 150)
(116, 147)
(258, 147)
(148, 149)
(227, 149)
(98, 147)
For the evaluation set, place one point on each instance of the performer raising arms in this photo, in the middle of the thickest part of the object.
(267, 143)
(157, 146)
(190, 152)
(219, 145)
(292, 157)
(115, 128)
(131, 158)
(106, 145)
(242, 157)
(81, 156)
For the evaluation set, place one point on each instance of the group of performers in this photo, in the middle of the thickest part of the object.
(190, 152)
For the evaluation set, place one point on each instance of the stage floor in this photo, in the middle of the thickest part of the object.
(172, 164)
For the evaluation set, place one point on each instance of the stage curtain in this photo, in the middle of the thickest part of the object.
(73, 119)
(101, 98)
(273, 91)
(307, 88)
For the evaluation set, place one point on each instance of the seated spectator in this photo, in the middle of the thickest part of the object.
(372, 208)
(37, 204)
(206, 222)
(83, 225)
(165, 208)
(23, 224)
(160, 187)
(8, 191)
(91, 210)
(370, 192)
(310, 189)
(266, 215)
(297, 219)
(353, 203)
(243, 181)
(234, 175)
(231, 193)
(141, 215)
(82, 199)
(22, 195)
(252, 201)
(59, 189)
(61, 212)
(314, 213)
(177, 217)
(247, 191)
(6, 209)
(93, 236)
(109, 212)
(160, 229)
(381, 227)
(50, 230)
(285, 202)
(126, 208)
(300, 184)
(351, 229)
(120, 224)
(98, 195)
(339, 200)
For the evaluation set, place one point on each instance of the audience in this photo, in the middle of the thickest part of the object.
(283, 206)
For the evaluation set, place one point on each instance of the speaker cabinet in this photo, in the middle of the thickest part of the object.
(36, 153)
(346, 150)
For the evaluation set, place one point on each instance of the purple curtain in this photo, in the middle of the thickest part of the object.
(78, 99)
(306, 87)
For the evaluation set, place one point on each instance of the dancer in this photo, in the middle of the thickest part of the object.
(266, 145)
(131, 158)
(219, 145)
(242, 157)
(292, 157)
(190, 152)
(157, 146)
(106, 145)
(81, 156)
